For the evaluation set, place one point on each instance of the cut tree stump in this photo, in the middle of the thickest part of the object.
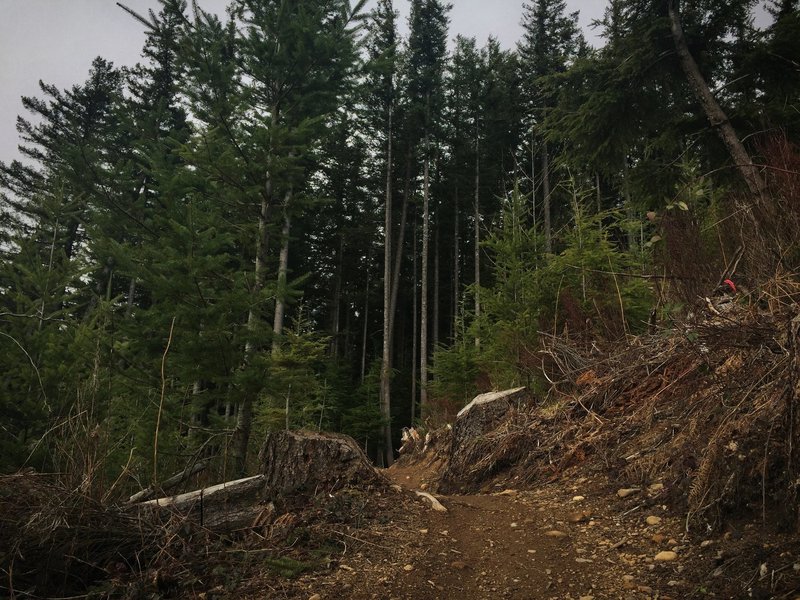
(306, 462)
(474, 421)
(295, 466)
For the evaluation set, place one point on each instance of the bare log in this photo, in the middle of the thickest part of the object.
(167, 484)
(228, 506)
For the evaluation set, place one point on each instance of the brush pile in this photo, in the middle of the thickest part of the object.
(317, 495)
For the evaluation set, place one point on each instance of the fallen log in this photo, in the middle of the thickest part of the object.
(227, 506)
(167, 484)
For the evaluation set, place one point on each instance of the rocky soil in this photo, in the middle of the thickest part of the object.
(575, 539)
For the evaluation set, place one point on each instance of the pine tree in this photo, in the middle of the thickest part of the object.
(550, 42)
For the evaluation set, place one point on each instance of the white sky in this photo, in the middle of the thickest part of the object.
(56, 41)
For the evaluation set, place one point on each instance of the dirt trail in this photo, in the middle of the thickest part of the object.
(577, 538)
(523, 545)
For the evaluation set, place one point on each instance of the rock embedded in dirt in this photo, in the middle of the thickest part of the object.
(555, 533)
(578, 498)
(625, 492)
(653, 520)
(666, 556)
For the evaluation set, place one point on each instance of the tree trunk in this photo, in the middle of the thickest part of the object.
(423, 320)
(716, 116)
(456, 270)
(305, 463)
(283, 270)
(385, 390)
(401, 237)
(244, 416)
(436, 288)
(626, 184)
(548, 233)
(415, 326)
(336, 302)
(477, 233)
(365, 329)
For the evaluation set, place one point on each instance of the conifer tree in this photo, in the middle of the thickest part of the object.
(550, 42)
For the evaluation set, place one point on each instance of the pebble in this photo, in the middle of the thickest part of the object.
(556, 534)
(656, 487)
(514, 525)
(315, 597)
(653, 520)
(578, 499)
(658, 538)
(408, 568)
(459, 564)
(706, 543)
(625, 492)
(666, 556)
(578, 517)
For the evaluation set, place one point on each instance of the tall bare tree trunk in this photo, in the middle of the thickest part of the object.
(336, 301)
(533, 178)
(436, 288)
(477, 232)
(385, 391)
(456, 269)
(629, 214)
(548, 232)
(415, 326)
(423, 320)
(283, 271)
(599, 197)
(365, 329)
(716, 116)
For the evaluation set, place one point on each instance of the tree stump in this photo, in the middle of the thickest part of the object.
(473, 423)
(304, 462)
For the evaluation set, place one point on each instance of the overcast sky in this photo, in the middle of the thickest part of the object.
(56, 40)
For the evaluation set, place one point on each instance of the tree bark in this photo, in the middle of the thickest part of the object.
(244, 415)
(423, 320)
(436, 288)
(283, 271)
(548, 232)
(456, 269)
(415, 326)
(336, 302)
(385, 390)
(477, 232)
(716, 116)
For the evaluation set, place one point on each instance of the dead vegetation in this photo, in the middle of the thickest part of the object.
(58, 542)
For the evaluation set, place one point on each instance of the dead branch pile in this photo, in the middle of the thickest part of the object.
(317, 496)
(60, 541)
